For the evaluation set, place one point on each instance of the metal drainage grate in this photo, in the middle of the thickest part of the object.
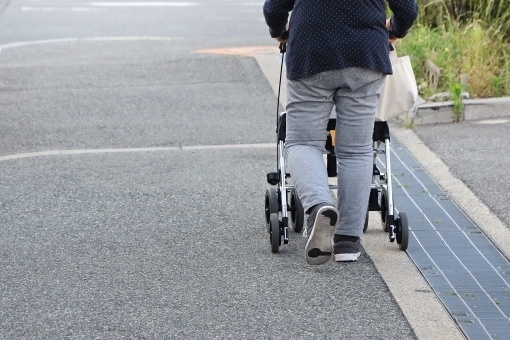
(466, 271)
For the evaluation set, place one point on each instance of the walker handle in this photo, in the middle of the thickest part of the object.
(283, 46)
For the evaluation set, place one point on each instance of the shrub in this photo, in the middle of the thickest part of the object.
(462, 37)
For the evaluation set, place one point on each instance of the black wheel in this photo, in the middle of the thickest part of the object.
(297, 213)
(365, 226)
(402, 231)
(384, 212)
(275, 233)
(271, 205)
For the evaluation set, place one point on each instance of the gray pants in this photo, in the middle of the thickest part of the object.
(355, 94)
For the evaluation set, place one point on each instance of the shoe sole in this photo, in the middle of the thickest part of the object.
(319, 248)
(349, 257)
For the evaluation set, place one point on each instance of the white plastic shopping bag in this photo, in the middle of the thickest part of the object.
(399, 92)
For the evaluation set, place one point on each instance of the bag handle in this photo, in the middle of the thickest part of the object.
(393, 52)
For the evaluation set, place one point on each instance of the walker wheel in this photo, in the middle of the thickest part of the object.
(402, 231)
(297, 213)
(271, 205)
(274, 232)
(384, 213)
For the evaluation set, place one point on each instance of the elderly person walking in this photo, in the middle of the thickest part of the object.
(337, 56)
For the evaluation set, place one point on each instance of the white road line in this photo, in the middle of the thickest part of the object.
(81, 9)
(64, 40)
(93, 5)
(493, 121)
(133, 150)
(230, 146)
(144, 4)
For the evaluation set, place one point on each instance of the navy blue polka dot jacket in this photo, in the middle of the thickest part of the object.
(329, 35)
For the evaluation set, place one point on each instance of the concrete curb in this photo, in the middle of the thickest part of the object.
(474, 109)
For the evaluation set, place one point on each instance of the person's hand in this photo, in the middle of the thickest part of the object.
(282, 40)
(285, 36)
(388, 27)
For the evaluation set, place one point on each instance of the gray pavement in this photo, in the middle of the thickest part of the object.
(124, 94)
(153, 244)
(168, 241)
(477, 153)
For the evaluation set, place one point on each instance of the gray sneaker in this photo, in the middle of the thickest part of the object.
(346, 250)
(320, 228)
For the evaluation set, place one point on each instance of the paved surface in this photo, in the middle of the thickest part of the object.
(151, 223)
(477, 153)
(165, 242)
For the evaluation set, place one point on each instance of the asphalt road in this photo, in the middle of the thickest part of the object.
(154, 243)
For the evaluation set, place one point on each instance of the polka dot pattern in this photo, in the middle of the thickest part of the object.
(336, 34)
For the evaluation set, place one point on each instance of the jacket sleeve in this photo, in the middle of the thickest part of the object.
(276, 13)
(405, 13)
